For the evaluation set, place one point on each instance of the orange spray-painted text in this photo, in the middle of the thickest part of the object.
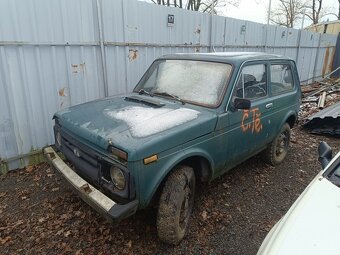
(251, 121)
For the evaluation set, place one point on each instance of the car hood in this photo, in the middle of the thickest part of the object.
(142, 126)
(312, 224)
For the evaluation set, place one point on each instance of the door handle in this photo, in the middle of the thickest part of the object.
(268, 106)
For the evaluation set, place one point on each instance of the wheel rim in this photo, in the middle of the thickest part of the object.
(185, 207)
(282, 144)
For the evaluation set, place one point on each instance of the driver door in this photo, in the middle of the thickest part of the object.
(250, 130)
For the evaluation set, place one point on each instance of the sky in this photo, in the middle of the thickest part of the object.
(256, 10)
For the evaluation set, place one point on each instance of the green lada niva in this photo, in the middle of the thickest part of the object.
(191, 118)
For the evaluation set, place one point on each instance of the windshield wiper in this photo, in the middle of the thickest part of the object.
(143, 91)
(169, 95)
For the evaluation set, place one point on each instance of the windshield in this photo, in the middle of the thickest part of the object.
(197, 82)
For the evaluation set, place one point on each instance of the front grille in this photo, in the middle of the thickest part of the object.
(79, 150)
(86, 160)
(93, 166)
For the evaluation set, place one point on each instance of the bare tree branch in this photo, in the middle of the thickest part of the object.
(199, 5)
(287, 13)
(315, 11)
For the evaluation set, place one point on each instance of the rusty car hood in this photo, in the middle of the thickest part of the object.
(139, 125)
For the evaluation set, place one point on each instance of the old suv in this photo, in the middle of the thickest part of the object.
(191, 118)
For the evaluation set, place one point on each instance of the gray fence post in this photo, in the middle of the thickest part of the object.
(102, 47)
(298, 48)
(336, 60)
(316, 59)
(211, 47)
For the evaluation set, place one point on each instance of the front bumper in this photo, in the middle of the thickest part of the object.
(96, 199)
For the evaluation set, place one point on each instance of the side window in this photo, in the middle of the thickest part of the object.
(252, 82)
(281, 79)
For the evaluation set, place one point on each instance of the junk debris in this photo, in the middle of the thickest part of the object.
(326, 121)
(320, 95)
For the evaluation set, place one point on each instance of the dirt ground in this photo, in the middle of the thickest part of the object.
(39, 213)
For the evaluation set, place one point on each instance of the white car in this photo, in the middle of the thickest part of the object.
(312, 224)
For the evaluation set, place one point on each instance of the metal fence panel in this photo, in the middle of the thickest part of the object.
(255, 34)
(58, 53)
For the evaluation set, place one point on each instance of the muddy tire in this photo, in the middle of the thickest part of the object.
(278, 148)
(176, 204)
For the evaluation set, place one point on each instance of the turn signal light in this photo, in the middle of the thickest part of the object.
(150, 159)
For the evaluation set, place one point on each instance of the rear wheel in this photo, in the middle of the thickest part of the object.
(278, 148)
(176, 204)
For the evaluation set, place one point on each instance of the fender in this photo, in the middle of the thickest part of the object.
(162, 173)
(287, 116)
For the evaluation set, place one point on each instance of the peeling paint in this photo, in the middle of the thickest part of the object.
(198, 30)
(78, 68)
(133, 54)
(128, 27)
(62, 92)
(63, 97)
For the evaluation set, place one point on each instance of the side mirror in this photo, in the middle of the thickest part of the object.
(325, 154)
(241, 103)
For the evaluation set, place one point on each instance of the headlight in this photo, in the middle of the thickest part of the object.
(117, 177)
(58, 139)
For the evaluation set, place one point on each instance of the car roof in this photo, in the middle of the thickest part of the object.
(228, 57)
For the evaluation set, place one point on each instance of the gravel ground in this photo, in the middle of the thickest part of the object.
(232, 215)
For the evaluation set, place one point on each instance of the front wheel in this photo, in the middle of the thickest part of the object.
(176, 204)
(278, 148)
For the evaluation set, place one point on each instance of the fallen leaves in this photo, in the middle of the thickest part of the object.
(67, 233)
(246, 201)
(29, 169)
(129, 244)
(204, 215)
(5, 240)
(11, 226)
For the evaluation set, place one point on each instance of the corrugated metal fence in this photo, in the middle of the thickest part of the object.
(58, 53)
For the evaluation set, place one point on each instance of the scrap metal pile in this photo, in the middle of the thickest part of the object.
(320, 108)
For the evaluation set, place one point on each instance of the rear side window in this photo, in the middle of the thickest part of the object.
(252, 83)
(281, 79)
